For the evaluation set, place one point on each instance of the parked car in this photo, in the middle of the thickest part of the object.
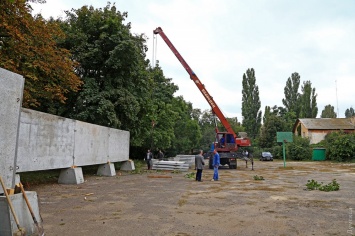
(266, 156)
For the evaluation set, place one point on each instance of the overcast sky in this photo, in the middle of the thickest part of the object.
(221, 39)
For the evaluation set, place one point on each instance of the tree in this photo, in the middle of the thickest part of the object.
(251, 104)
(328, 112)
(292, 96)
(274, 122)
(29, 47)
(207, 126)
(267, 113)
(308, 103)
(120, 89)
(349, 112)
(161, 108)
(187, 132)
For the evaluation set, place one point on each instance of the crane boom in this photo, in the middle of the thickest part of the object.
(198, 83)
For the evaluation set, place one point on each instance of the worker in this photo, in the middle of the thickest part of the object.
(148, 159)
(160, 155)
(230, 138)
(215, 164)
(222, 142)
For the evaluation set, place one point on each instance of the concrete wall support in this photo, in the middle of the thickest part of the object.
(128, 165)
(107, 169)
(73, 175)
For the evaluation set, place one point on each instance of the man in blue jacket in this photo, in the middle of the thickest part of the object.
(216, 162)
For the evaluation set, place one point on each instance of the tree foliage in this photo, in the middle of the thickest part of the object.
(120, 89)
(299, 149)
(340, 146)
(187, 132)
(207, 126)
(292, 96)
(349, 112)
(251, 104)
(161, 108)
(328, 112)
(274, 122)
(28, 47)
(308, 103)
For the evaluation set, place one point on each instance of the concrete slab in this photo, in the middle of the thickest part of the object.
(11, 90)
(46, 141)
(53, 142)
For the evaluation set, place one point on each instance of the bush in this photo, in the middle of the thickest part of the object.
(277, 152)
(299, 149)
(340, 146)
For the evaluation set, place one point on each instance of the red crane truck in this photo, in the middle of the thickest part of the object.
(226, 143)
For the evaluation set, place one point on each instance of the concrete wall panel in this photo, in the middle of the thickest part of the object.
(119, 145)
(91, 144)
(45, 142)
(11, 87)
(52, 142)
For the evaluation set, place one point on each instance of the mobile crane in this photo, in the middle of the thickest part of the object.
(226, 143)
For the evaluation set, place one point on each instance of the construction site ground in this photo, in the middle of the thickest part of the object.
(167, 203)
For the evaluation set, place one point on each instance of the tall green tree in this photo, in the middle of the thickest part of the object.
(274, 122)
(161, 109)
(308, 103)
(251, 104)
(120, 90)
(187, 132)
(292, 96)
(267, 113)
(349, 112)
(207, 125)
(328, 112)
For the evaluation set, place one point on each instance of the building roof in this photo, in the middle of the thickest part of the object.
(326, 123)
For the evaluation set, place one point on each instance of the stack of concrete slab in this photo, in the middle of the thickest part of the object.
(170, 165)
(188, 159)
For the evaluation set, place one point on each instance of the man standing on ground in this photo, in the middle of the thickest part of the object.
(216, 162)
(199, 163)
(148, 159)
(160, 155)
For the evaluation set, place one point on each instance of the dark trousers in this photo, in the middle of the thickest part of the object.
(199, 174)
(149, 164)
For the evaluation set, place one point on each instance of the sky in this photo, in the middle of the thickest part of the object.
(221, 40)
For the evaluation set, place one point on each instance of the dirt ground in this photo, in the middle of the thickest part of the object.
(166, 203)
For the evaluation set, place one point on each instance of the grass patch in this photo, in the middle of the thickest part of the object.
(190, 175)
(263, 188)
(39, 177)
(257, 177)
(313, 185)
